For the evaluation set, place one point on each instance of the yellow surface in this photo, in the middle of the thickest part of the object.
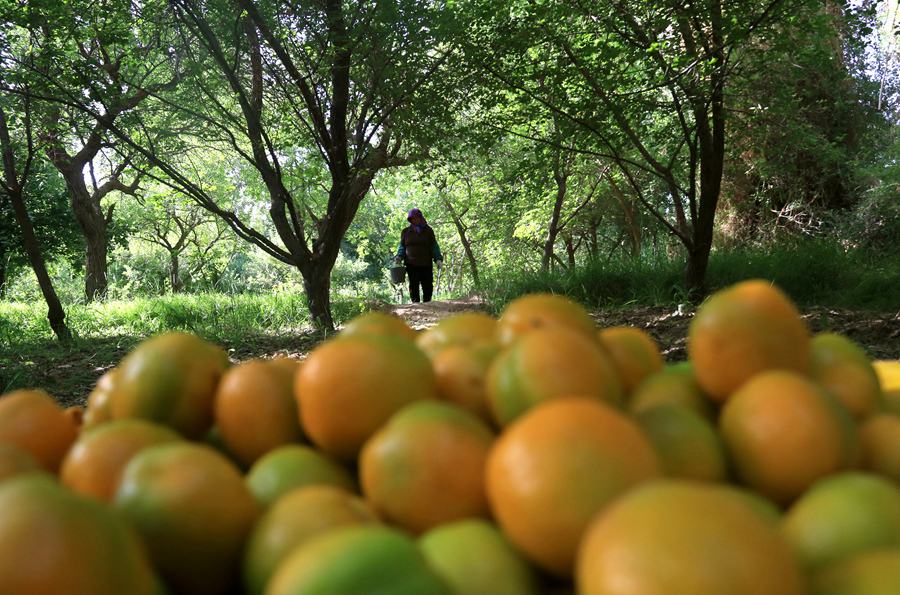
(888, 374)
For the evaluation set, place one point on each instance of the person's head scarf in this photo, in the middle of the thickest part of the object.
(417, 219)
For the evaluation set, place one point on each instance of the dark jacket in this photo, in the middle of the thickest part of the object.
(418, 249)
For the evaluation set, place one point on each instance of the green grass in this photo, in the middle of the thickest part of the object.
(245, 325)
(217, 317)
(812, 274)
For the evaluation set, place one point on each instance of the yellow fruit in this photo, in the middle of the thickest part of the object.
(543, 310)
(291, 521)
(880, 439)
(98, 409)
(378, 323)
(294, 466)
(193, 511)
(255, 409)
(170, 379)
(348, 387)
(783, 433)
(55, 542)
(842, 367)
(357, 560)
(556, 467)
(425, 467)
(545, 364)
(474, 558)
(32, 421)
(743, 330)
(94, 464)
(681, 537)
(687, 444)
(461, 373)
(459, 330)
(673, 385)
(842, 516)
(888, 372)
(634, 354)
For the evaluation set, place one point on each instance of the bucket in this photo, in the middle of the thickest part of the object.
(398, 274)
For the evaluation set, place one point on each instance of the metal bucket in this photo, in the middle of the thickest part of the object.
(398, 274)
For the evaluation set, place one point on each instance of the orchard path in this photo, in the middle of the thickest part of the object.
(70, 376)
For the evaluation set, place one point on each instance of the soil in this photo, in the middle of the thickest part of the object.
(70, 376)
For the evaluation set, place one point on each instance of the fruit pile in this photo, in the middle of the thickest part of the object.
(527, 454)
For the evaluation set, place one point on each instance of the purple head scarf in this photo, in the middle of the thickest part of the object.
(417, 219)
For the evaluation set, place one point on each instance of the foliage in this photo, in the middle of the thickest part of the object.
(811, 272)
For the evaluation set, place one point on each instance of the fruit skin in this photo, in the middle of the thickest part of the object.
(542, 310)
(294, 466)
(880, 439)
(677, 537)
(870, 573)
(193, 512)
(14, 461)
(545, 364)
(255, 409)
(458, 330)
(378, 323)
(294, 519)
(844, 515)
(634, 353)
(54, 542)
(556, 467)
(745, 329)
(357, 560)
(170, 379)
(340, 410)
(461, 372)
(843, 368)
(425, 467)
(783, 433)
(31, 420)
(888, 372)
(675, 384)
(94, 464)
(687, 444)
(474, 558)
(98, 408)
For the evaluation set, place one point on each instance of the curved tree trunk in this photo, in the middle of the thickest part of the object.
(55, 313)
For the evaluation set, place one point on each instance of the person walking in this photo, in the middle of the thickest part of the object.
(418, 248)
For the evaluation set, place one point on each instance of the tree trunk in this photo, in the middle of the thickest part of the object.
(464, 239)
(174, 272)
(317, 283)
(561, 181)
(55, 313)
(93, 225)
(570, 250)
(4, 264)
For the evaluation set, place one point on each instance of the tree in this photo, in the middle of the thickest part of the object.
(18, 158)
(109, 55)
(174, 224)
(647, 80)
(304, 93)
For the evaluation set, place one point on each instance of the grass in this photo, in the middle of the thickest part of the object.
(812, 274)
(245, 325)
